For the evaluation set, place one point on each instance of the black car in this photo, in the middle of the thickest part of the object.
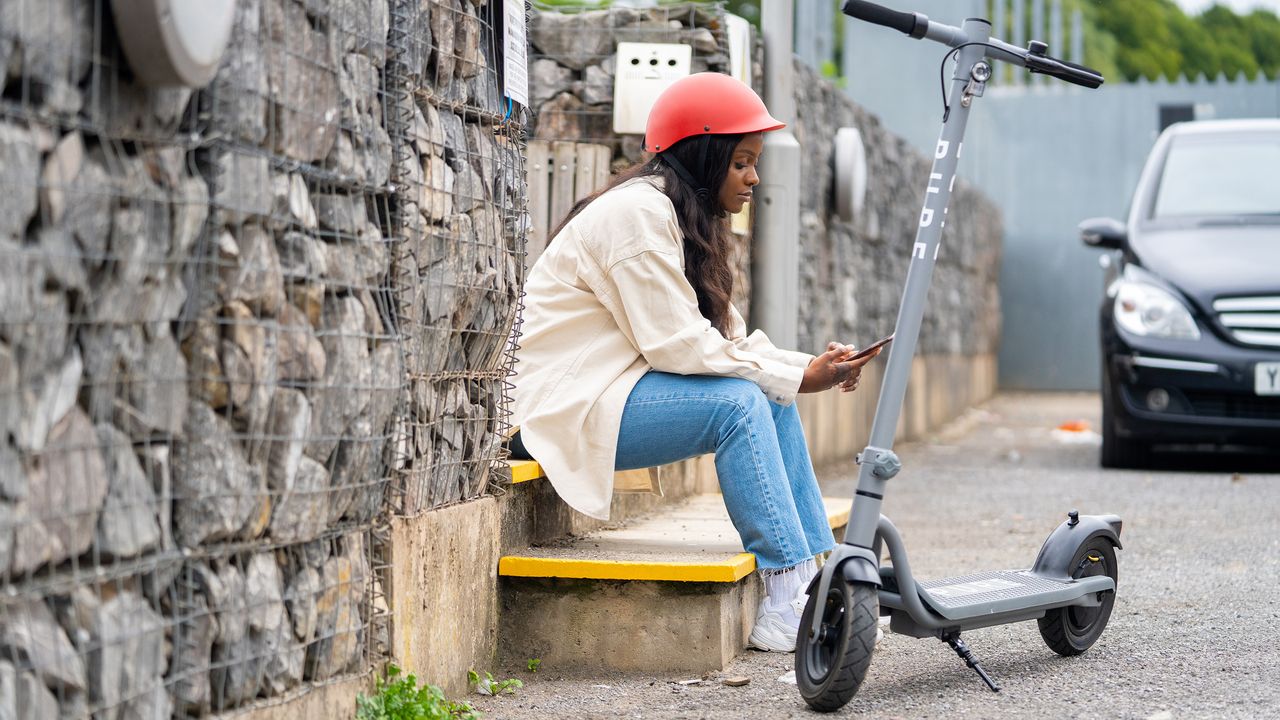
(1190, 325)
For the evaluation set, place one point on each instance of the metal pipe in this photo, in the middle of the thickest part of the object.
(775, 291)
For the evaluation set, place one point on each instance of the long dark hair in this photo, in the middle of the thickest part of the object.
(702, 219)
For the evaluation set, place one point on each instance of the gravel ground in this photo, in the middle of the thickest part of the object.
(1194, 630)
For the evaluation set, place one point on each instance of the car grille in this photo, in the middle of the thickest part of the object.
(1251, 320)
(1227, 405)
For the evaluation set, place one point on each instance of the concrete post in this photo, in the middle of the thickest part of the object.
(775, 261)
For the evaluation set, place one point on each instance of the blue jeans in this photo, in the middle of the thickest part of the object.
(765, 473)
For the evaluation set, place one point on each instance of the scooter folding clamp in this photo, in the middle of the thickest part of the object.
(884, 463)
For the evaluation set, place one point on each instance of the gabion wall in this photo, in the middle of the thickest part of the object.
(239, 327)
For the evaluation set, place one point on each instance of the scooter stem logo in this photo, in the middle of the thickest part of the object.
(935, 189)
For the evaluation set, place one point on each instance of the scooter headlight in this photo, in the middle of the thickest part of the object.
(1150, 311)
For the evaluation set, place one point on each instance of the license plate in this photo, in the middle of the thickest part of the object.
(1266, 378)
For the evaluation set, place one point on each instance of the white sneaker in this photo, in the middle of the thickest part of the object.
(776, 628)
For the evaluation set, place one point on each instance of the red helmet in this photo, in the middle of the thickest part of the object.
(706, 103)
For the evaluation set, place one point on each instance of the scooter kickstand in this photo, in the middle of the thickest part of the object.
(953, 639)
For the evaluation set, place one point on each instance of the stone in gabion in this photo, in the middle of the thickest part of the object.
(60, 169)
(596, 87)
(127, 659)
(45, 401)
(301, 357)
(13, 486)
(358, 262)
(243, 186)
(61, 259)
(444, 30)
(42, 342)
(344, 394)
(302, 257)
(566, 117)
(455, 137)
(356, 25)
(193, 637)
(427, 131)
(339, 627)
(576, 40)
(303, 83)
(127, 525)
(241, 662)
(72, 486)
(31, 634)
(22, 695)
(547, 78)
(301, 512)
(251, 274)
(435, 188)
(341, 213)
(240, 86)
(215, 489)
(287, 427)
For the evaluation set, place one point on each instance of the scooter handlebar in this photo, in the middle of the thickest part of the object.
(908, 23)
(1063, 70)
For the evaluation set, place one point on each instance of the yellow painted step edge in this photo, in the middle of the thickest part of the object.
(524, 470)
(729, 570)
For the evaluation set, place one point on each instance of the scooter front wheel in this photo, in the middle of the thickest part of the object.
(831, 664)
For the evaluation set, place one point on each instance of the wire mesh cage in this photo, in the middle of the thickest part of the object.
(227, 330)
(460, 267)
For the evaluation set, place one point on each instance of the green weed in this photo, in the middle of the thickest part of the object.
(487, 685)
(400, 698)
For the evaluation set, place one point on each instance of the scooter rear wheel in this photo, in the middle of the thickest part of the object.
(1072, 630)
(831, 665)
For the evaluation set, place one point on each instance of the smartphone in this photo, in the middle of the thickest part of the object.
(869, 349)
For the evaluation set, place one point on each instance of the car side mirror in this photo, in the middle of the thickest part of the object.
(1107, 233)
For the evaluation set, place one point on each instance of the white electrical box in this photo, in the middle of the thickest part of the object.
(643, 71)
(851, 173)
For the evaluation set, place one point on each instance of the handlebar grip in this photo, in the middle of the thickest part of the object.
(1063, 70)
(908, 23)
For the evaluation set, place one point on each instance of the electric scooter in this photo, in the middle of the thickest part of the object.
(1071, 587)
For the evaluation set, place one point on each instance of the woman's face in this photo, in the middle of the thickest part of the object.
(742, 177)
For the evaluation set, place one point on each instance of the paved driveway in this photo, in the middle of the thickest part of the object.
(1196, 628)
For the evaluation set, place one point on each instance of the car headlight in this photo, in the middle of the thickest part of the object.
(1149, 311)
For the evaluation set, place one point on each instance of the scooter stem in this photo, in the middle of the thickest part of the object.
(878, 462)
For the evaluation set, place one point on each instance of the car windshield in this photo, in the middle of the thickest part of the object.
(1215, 175)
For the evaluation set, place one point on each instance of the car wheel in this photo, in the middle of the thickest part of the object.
(1118, 452)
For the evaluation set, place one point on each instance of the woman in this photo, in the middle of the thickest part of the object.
(633, 356)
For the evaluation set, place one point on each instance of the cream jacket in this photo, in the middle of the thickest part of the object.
(607, 302)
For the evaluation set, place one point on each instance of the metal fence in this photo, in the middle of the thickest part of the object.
(239, 327)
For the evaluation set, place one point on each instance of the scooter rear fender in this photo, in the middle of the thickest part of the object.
(1054, 559)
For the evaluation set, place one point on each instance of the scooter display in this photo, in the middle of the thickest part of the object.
(1070, 588)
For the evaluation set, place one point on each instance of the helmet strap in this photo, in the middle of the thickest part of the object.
(699, 189)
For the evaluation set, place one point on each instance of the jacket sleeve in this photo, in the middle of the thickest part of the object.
(655, 306)
(760, 343)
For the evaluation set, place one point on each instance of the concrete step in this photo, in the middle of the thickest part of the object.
(673, 592)
(532, 513)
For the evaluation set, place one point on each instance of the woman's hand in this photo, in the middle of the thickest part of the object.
(828, 369)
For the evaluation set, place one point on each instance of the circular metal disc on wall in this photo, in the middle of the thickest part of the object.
(174, 42)
(850, 173)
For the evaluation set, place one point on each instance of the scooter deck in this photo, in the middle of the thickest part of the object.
(1000, 591)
